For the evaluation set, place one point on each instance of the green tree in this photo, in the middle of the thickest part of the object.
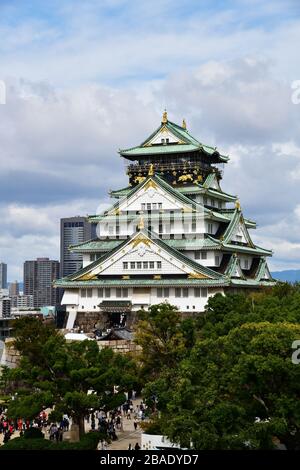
(53, 372)
(164, 338)
(236, 392)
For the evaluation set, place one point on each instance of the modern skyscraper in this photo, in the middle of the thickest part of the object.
(73, 230)
(38, 281)
(3, 276)
(14, 288)
(5, 307)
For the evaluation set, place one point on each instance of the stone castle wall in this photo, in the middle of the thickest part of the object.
(10, 356)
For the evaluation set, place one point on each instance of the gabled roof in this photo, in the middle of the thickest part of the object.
(186, 201)
(148, 237)
(187, 143)
(235, 221)
(212, 182)
(263, 272)
(195, 188)
(234, 268)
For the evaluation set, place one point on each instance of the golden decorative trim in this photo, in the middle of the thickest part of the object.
(150, 184)
(151, 171)
(164, 117)
(157, 276)
(125, 277)
(197, 276)
(140, 239)
(117, 212)
(141, 223)
(139, 179)
(237, 205)
(183, 124)
(87, 277)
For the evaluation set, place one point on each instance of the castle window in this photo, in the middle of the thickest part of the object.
(132, 265)
(118, 292)
(210, 228)
(177, 292)
(139, 265)
(167, 141)
(145, 264)
(203, 291)
(100, 292)
(158, 264)
(160, 205)
(220, 204)
(197, 254)
(149, 206)
(196, 291)
(124, 292)
(217, 260)
(162, 141)
(246, 264)
(185, 292)
(151, 264)
(89, 292)
(159, 292)
(107, 292)
(83, 292)
(125, 265)
(143, 207)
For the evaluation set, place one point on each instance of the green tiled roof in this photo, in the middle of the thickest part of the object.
(177, 254)
(172, 191)
(160, 149)
(199, 243)
(223, 282)
(233, 265)
(190, 145)
(256, 250)
(133, 282)
(95, 245)
(191, 189)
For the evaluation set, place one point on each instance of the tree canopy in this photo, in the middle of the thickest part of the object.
(53, 372)
(236, 386)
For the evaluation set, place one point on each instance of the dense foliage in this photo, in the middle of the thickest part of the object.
(235, 387)
(53, 372)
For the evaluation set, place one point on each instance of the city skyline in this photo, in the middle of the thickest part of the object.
(228, 70)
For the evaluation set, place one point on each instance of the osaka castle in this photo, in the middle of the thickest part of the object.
(171, 235)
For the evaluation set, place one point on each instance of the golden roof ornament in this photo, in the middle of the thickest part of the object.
(151, 171)
(183, 124)
(237, 205)
(141, 224)
(164, 117)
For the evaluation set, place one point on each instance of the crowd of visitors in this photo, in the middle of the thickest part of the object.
(98, 420)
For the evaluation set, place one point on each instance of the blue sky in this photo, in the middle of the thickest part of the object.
(86, 78)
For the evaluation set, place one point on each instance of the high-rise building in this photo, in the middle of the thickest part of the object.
(14, 288)
(5, 307)
(3, 275)
(38, 281)
(73, 230)
(22, 301)
(172, 235)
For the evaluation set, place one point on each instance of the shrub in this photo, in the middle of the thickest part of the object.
(88, 442)
(19, 443)
(33, 433)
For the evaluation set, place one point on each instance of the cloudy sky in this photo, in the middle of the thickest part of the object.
(84, 79)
